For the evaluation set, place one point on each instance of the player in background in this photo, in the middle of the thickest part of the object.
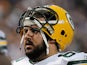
(3, 43)
(45, 32)
(4, 59)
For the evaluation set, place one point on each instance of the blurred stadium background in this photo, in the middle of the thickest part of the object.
(11, 10)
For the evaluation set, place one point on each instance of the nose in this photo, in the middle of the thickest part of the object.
(29, 34)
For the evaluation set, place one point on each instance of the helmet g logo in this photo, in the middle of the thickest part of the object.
(70, 20)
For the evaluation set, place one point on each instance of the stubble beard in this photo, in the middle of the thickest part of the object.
(37, 52)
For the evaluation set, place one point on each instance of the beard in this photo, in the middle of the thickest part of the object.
(37, 52)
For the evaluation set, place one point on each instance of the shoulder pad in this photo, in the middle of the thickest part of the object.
(74, 58)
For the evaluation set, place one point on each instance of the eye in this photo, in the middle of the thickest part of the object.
(25, 31)
(35, 30)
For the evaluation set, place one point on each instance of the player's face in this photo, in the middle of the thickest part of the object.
(33, 42)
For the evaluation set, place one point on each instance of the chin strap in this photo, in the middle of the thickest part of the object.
(45, 40)
(21, 42)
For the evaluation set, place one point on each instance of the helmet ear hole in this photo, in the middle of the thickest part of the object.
(62, 32)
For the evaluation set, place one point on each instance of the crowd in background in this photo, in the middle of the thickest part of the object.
(11, 10)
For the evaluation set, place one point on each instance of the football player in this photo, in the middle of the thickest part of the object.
(45, 32)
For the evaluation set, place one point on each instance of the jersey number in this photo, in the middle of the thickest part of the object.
(68, 54)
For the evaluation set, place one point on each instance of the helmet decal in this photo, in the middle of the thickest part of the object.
(70, 20)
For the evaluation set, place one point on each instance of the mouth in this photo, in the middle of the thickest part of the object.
(29, 42)
(28, 45)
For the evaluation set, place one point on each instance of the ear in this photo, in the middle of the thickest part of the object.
(51, 41)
